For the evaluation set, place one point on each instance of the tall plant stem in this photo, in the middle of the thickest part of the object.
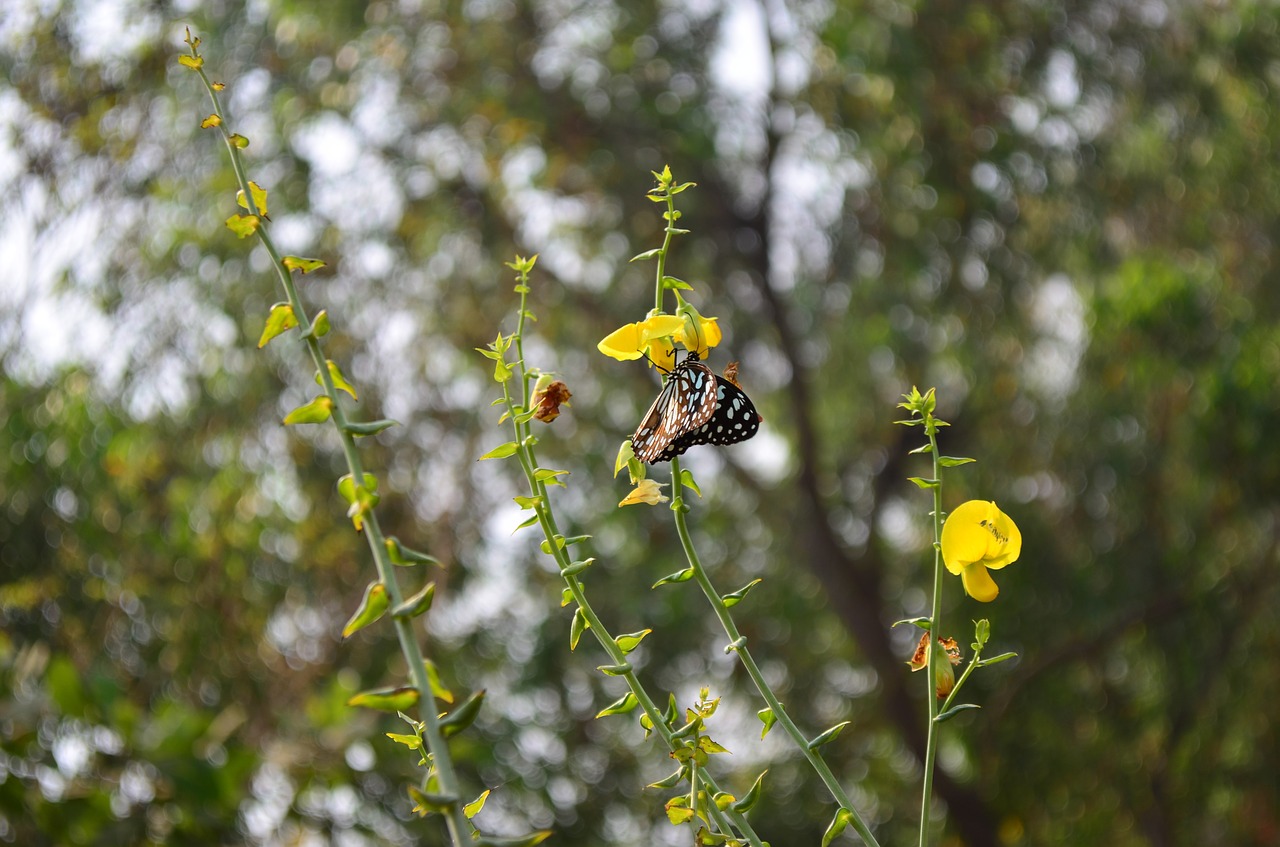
(458, 825)
(738, 645)
(932, 654)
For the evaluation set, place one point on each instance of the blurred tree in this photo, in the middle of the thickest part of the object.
(1063, 217)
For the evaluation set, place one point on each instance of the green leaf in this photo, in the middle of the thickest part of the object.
(426, 802)
(838, 825)
(953, 461)
(922, 623)
(750, 799)
(339, 381)
(981, 633)
(687, 480)
(670, 283)
(527, 522)
(280, 320)
(413, 742)
(438, 689)
(317, 411)
(528, 502)
(473, 808)
(463, 716)
(238, 141)
(679, 576)
(648, 254)
(348, 491)
(244, 225)
(387, 699)
(621, 706)
(631, 640)
(828, 736)
(669, 781)
(400, 554)
(502, 451)
(955, 710)
(577, 567)
(614, 670)
(923, 483)
(417, 604)
(706, 745)
(566, 597)
(1003, 657)
(372, 606)
(579, 626)
(297, 263)
(925, 448)
(768, 718)
(360, 430)
(549, 475)
(320, 324)
(734, 598)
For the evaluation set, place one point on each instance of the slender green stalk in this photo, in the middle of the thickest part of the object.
(726, 820)
(738, 644)
(460, 828)
(932, 654)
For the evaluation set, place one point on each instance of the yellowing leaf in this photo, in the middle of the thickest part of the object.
(473, 808)
(297, 263)
(243, 225)
(280, 320)
(259, 200)
(317, 411)
(339, 381)
(238, 141)
(212, 120)
(192, 62)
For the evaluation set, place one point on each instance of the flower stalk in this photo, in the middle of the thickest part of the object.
(441, 771)
(702, 785)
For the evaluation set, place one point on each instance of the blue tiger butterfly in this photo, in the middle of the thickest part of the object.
(694, 407)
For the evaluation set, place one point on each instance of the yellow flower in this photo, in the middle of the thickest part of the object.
(646, 491)
(696, 332)
(978, 536)
(651, 337)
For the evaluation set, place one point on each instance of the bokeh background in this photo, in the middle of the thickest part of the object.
(1062, 215)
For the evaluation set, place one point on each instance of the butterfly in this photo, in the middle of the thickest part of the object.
(694, 407)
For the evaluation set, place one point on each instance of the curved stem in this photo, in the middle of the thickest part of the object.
(738, 644)
(458, 825)
(935, 617)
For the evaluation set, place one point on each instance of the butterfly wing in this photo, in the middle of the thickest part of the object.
(734, 419)
(686, 403)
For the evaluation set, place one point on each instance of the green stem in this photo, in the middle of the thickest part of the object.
(935, 617)
(726, 820)
(459, 827)
(737, 643)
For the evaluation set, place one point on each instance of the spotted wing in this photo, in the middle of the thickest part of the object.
(735, 419)
(686, 402)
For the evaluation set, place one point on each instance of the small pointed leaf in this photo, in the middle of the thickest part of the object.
(502, 451)
(280, 320)
(620, 706)
(830, 735)
(372, 607)
(317, 411)
(463, 716)
(387, 699)
(473, 808)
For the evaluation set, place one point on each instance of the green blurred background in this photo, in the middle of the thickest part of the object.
(1063, 215)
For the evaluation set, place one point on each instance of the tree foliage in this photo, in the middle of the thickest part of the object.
(1061, 216)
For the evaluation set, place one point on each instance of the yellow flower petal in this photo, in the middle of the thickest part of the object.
(978, 583)
(978, 536)
(696, 332)
(646, 491)
(622, 344)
